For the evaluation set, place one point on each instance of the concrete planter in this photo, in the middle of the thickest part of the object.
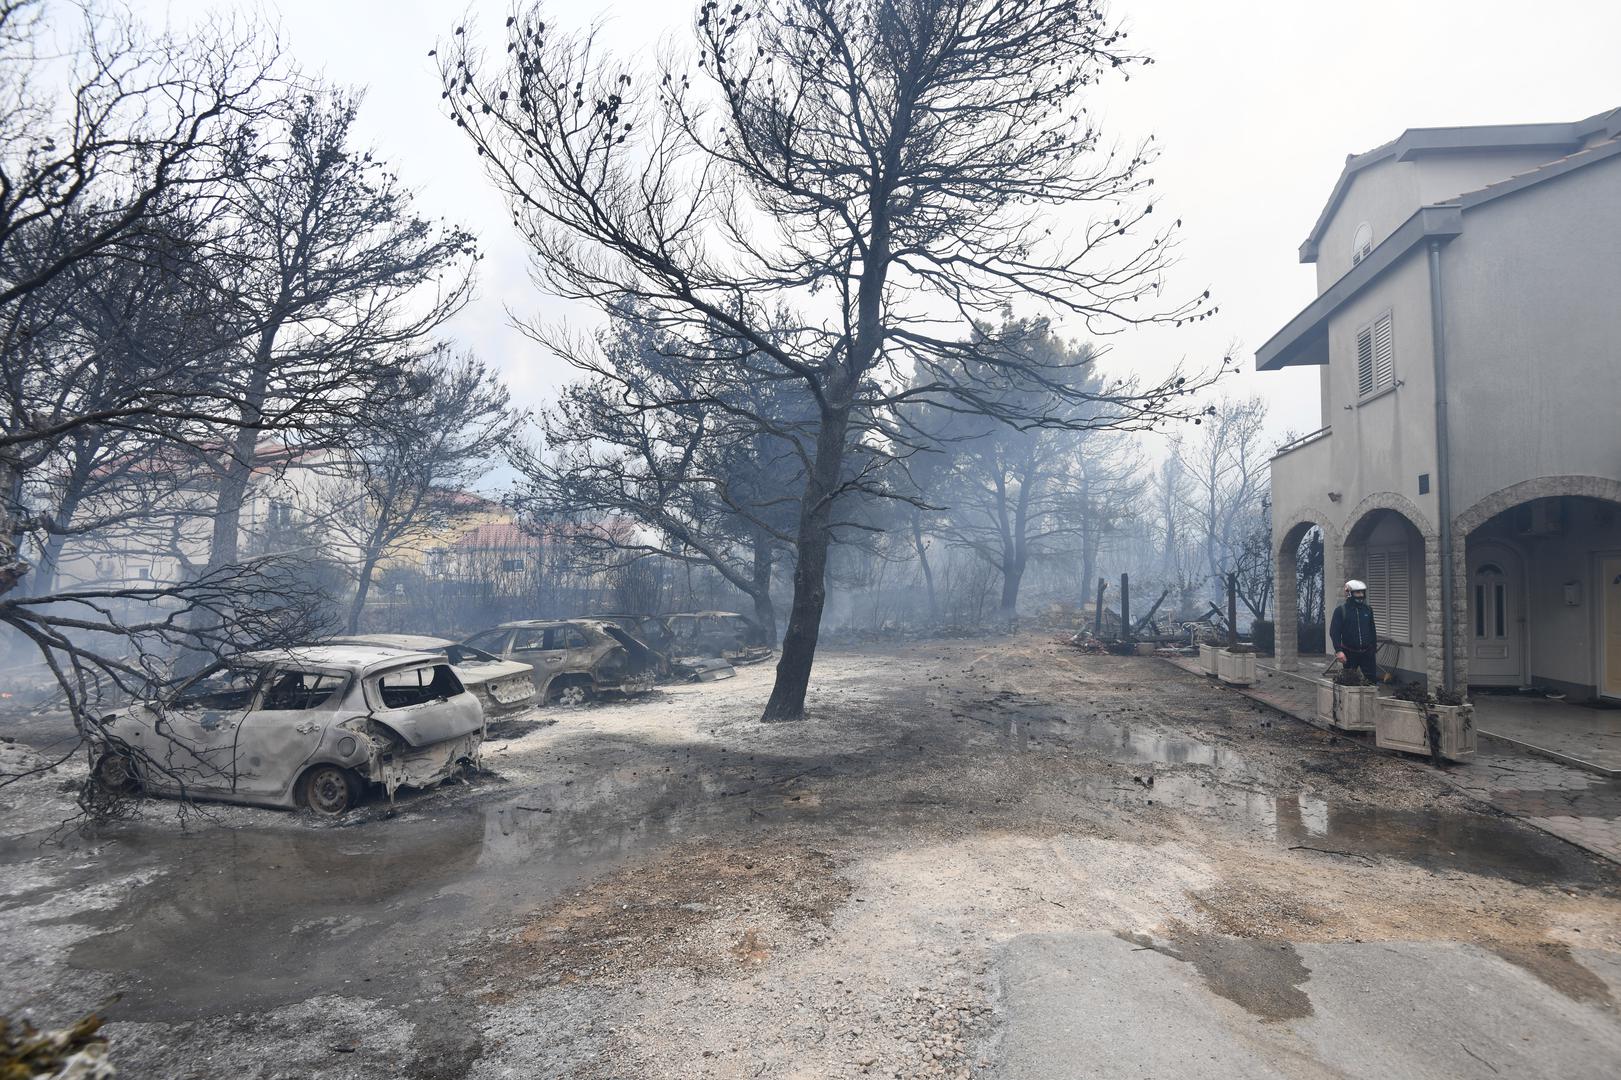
(1401, 726)
(1325, 701)
(1235, 669)
(1351, 708)
(1207, 659)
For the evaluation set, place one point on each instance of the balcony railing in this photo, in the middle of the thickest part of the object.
(1304, 440)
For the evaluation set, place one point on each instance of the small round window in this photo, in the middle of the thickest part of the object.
(1362, 243)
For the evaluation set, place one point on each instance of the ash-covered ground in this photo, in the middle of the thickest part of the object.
(986, 858)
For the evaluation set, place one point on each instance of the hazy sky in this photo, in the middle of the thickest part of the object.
(1254, 104)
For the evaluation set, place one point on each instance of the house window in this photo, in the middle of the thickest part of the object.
(281, 514)
(1375, 356)
(1388, 593)
(1491, 603)
(512, 566)
(1362, 243)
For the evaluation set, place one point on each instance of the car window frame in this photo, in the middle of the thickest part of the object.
(373, 689)
(504, 641)
(170, 701)
(338, 697)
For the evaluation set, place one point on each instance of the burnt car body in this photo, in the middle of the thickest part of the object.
(500, 685)
(574, 660)
(654, 631)
(307, 726)
(734, 638)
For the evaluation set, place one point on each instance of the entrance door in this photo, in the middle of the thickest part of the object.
(1610, 578)
(1496, 618)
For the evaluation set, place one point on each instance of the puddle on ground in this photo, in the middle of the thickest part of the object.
(1264, 976)
(256, 918)
(1434, 839)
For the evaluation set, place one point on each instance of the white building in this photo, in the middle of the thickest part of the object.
(1468, 459)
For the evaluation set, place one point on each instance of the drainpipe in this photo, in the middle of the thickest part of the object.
(1443, 462)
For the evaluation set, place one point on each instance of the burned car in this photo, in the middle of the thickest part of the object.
(654, 630)
(500, 685)
(574, 660)
(726, 634)
(310, 726)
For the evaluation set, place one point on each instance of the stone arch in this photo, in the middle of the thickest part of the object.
(1286, 585)
(1353, 559)
(1541, 487)
(1388, 500)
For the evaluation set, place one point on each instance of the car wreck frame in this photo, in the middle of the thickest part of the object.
(313, 727)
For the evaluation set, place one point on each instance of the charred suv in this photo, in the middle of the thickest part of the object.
(312, 726)
(574, 660)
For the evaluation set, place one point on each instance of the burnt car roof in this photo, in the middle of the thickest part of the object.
(536, 624)
(361, 658)
(408, 642)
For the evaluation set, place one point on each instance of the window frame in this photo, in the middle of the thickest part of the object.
(374, 686)
(1361, 248)
(1370, 332)
(330, 702)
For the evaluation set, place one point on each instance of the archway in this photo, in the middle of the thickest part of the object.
(1306, 561)
(1392, 546)
(1538, 581)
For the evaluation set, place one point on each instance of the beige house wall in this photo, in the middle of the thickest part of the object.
(1532, 307)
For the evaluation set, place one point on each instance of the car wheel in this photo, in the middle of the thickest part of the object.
(114, 772)
(572, 694)
(329, 790)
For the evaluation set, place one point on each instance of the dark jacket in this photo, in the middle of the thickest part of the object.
(1351, 629)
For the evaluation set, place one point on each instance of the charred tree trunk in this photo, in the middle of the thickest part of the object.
(1012, 575)
(357, 607)
(765, 613)
(923, 561)
(787, 700)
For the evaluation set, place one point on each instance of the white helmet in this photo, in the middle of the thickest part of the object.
(1355, 586)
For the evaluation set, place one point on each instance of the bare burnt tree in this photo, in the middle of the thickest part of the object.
(885, 171)
(1225, 467)
(1101, 498)
(1010, 490)
(710, 474)
(407, 482)
(89, 168)
(333, 281)
(1252, 563)
(100, 333)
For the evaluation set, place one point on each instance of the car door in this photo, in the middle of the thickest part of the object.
(295, 704)
(193, 746)
(536, 646)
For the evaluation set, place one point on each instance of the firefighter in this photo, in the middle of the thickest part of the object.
(1356, 640)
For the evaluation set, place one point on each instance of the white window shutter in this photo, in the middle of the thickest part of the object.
(1364, 363)
(1398, 617)
(1384, 354)
(1378, 573)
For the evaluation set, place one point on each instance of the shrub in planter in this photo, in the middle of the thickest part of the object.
(1263, 635)
(1415, 722)
(1354, 701)
(1236, 665)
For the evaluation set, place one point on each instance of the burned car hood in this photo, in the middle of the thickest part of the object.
(434, 721)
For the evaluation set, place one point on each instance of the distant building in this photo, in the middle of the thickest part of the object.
(1468, 332)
